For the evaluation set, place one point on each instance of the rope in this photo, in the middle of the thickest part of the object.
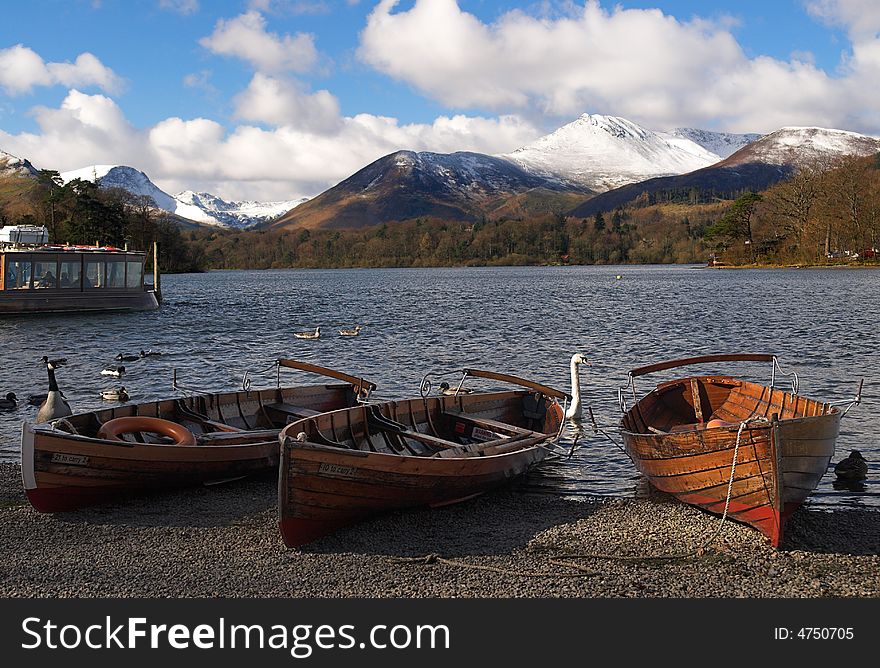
(701, 549)
(429, 559)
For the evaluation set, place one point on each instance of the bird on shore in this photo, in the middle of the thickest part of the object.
(854, 467)
(117, 371)
(127, 358)
(309, 335)
(9, 403)
(55, 406)
(115, 394)
(350, 332)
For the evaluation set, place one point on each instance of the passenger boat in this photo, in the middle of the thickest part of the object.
(736, 448)
(343, 466)
(87, 458)
(39, 277)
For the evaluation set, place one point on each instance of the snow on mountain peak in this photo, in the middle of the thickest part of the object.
(11, 165)
(722, 144)
(605, 152)
(802, 145)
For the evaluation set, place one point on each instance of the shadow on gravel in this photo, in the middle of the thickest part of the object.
(852, 531)
(207, 506)
(494, 524)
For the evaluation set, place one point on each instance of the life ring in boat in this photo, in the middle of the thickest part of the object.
(720, 423)
(113, 429)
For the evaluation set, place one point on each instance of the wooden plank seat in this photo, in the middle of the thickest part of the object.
(287, 413)
(486, 423)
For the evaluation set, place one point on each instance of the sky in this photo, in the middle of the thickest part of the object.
(281, 99)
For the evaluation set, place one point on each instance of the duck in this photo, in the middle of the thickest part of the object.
(10, 402)
(127, 358)
(453, 391)
(36, 399)
(574, 409)
(55, 406)
(115, 394)
(117, 371)
(150, 353)
(309, 335)
(350, 332)
(854, 467)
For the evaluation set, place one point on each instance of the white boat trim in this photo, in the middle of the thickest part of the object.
(27, 456)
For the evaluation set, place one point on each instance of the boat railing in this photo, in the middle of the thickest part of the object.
(703, 359)
(552, 392)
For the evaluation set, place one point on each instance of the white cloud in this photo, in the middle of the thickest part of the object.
(861, 18)
(21, 69)
(280, 102)
(246, 37)
(184, 7)
(285, 162)
(637, 63)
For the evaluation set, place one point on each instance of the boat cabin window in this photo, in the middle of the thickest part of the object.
(134, 275)
(94, 274)
(115, 274)
(18, 274)
(70, 274)
(45, 273)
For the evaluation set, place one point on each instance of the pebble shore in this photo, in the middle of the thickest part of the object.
(223, 541)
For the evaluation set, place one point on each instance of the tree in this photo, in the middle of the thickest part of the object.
(599, 222)
(737, 222)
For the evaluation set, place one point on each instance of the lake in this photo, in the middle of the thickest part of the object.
(215, 327)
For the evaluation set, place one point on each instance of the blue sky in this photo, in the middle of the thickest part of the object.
(277, 99)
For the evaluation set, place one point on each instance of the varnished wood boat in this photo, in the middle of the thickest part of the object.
(343, 466)
(87, 458)
(718, 442)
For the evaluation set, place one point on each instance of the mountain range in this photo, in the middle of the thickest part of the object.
(595, 163)
(202, 208)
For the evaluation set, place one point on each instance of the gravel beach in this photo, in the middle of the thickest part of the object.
(223, 541)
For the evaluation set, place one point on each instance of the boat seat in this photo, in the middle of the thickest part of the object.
(486, 423)
(287, 413)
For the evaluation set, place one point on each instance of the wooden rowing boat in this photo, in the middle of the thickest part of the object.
(88, 458)
(728, 445)
(343, 466)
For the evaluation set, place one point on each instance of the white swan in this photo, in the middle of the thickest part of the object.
(574, 410)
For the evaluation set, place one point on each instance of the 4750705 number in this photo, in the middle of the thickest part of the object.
(814, 633)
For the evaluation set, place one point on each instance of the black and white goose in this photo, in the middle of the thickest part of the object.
(116, 371)
(9, 403)
(55, 406)
(854, 467)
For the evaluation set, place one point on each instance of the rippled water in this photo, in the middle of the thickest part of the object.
(214, 327)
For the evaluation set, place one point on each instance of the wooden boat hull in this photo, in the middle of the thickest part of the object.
(324, 487)
(779, 462)
(64, 471)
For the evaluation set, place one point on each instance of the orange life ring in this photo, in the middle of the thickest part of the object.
(720, 423)
(113, 429)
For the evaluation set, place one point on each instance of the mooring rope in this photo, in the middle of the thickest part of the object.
(433, 558)
(701, 549)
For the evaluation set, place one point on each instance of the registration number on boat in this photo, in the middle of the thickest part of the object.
(61, 458)
(335, 469)
(484, 434)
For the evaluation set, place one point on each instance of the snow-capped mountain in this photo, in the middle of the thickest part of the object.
(721, 144)
(795, 146)
(604, 152)
(199, 207)
(210, 209)
(406, 185)
(11, 165)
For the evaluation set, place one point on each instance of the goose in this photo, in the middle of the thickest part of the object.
(853, 467)
(127, 358)
(115, 394)
(453, 391)
(350, 332)
(36, 399)
(574, 410)
(150, 353)
(55, 406)
(117, 371)
(10, 402)
(309, 335)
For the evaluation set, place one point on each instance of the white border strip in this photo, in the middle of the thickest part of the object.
(27, 456)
